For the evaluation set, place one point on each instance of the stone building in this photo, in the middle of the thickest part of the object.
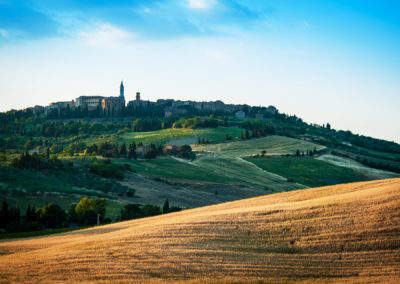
(91, 102)
(63, 104)
(58, 106)
(112, 106)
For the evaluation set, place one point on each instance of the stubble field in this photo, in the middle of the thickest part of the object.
(340, 233)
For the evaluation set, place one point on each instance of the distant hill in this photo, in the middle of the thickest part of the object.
(341, 233)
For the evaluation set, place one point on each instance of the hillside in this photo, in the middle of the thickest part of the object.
(338, 233)
(62, 157)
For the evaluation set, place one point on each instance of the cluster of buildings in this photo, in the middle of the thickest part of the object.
(107, 105)
(114, 106)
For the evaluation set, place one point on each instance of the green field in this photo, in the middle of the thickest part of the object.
(222, 164)
(308, 171)
(181, 136)
(383, 163)
(274, 145)
(383, 155)
(246, 174)
(225, 159)
(173, 170)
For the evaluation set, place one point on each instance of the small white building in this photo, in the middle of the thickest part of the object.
(240, 114)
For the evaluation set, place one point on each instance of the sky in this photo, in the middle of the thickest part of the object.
(335, 61)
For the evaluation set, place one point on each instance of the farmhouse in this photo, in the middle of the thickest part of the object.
(171, 149)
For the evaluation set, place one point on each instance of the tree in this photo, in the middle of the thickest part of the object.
(297, 152)
(150, 210)
(166, 206)
(28, 145)
(72, 216)
(122, 150)
(14, 215)
(34, 216)
(47, 152)
(115, 151)
(4, 214)
(247, 134)
(328, 126)
(28, 214)
(52, 216)
(132, 150)
(263, 152)
(152, 152)
(131, 211)
(88, 208)
(185, 151)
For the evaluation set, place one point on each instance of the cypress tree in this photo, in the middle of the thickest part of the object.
(122, 150)
(4, 214)
(166, 206)
(28, 217)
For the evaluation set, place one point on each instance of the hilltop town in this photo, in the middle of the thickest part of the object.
(115, 106)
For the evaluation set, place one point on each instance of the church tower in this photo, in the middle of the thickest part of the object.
(121, 90)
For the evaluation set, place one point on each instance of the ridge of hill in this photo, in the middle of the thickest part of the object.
(340, 233)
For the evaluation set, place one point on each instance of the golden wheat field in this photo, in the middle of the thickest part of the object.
(342, 233)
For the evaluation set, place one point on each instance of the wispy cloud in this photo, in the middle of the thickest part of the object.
(200, 4)
(106, 34)
(147, 19)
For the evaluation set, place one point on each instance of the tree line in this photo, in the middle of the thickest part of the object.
(87, 212)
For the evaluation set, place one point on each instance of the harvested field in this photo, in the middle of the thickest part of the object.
(341, 233)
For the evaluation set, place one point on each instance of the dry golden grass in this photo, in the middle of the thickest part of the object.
(343, 233)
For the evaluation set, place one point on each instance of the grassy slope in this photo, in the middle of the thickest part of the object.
(181, 136)
(279, 145)
(225, 169)
(370, 159)
(173, 170)
(225, 159)
(224, 165)
(384, 155)
(308, 171)
(354, 165)
(342, 233)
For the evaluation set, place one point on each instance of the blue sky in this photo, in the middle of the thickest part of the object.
(326, 61)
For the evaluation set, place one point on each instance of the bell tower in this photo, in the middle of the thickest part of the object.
(121, 90)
